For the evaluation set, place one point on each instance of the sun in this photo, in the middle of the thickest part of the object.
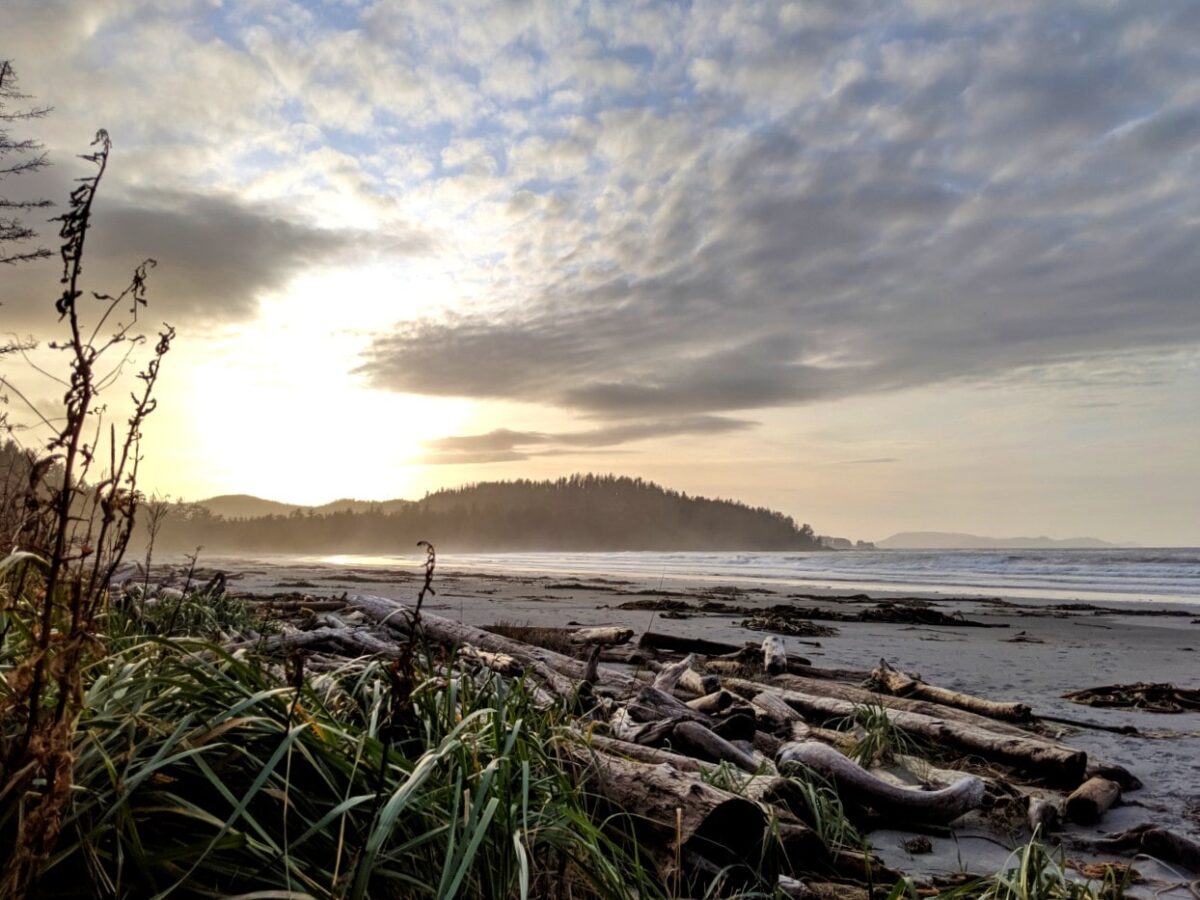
(274, 407)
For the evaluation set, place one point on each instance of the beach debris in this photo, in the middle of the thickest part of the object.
(888, 680)
(662, 604)
(917, 845)
(1152, 840)
(1158, 698)
(794, 626)
(1091, 800)
(908, 614)
(1023, 637)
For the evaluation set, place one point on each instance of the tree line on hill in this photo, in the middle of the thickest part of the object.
(578, 513)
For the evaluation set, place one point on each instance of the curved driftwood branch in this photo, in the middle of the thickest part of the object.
(859, 785)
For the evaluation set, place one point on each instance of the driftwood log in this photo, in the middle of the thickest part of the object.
(609, 636)
(901, 684)
(1091, 800)
(711, 704)
(860, 786)
(701, 741)
(678, 810)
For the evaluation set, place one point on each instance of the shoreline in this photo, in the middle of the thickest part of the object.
(569, 565)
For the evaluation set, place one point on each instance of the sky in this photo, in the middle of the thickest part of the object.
(884, 266)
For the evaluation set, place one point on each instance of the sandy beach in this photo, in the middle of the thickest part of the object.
(1035, 652)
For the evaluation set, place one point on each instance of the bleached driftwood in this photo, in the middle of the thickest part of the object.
(901, 684)
(1044, 758)
(668, 676)
(711, 704)
(606, 636)
(774, 655)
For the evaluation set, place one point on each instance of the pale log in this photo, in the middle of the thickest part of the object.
(608, 636)
(901, 684)
(774, 655)
(1001, 743)
(711, 704)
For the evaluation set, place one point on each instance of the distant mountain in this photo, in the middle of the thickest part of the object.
(949, 540)
(582, 512)
(245, 506)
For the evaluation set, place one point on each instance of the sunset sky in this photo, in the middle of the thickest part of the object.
(883, 266)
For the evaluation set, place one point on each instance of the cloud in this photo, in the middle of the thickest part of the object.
(504, 445)
(216, 255)
(945, 194)
(661, 211)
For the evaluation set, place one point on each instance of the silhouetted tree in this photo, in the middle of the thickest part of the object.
(17, 157)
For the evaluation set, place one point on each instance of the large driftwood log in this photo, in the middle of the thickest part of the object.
(642, 753)
(701, 741)
(857, 784)
(678, 810)
(901, 684)
(1091, 800)
(1043, 758)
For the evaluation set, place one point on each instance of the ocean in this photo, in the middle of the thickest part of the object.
(1110, 575)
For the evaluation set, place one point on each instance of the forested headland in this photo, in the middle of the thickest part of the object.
(579, 513)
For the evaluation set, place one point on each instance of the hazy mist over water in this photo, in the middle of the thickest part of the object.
(1169, 574)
